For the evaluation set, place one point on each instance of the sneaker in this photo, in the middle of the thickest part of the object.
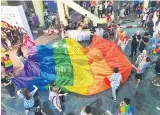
(158, 108)
(113, 99)
(135, 86)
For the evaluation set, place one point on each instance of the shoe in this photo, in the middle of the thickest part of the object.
(158, 108)
(135, 86)
(113, 99)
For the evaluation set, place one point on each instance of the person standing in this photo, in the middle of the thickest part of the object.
(124, 108)
(144, 41)
(157, 70)
(54, 97)
(27, 98)
(20, 55)
(134, 44)
(140, 70)
(115, 81)
(7, 64)
(92, 6)
(140, 57)
(7, 83)
(100, 9)
(86, 110)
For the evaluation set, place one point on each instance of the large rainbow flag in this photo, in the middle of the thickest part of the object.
(77, 69)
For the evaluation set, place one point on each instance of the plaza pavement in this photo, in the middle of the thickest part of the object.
(145, 99)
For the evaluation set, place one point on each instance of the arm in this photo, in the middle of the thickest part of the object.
(19, 93)
(5, 84)
(34, 91)
(63, 94)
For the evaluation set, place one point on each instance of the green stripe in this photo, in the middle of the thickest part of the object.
(64, 68)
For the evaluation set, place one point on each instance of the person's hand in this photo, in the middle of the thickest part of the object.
(65, 94)
(34, 86)
(60, 110)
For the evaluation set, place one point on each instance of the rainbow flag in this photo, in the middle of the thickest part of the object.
(156, 51)
(77, 69)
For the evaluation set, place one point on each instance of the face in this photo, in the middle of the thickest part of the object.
(137, 32)
(6, 57)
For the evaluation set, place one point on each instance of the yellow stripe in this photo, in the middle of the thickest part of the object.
(82, 73)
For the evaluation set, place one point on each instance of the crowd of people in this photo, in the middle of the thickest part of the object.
(142, 48)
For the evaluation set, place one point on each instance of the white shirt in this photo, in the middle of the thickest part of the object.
(84, 113)
(100, 7)
(115, 79)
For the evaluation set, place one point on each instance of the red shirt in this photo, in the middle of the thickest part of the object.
(125, 39)
(108, 18)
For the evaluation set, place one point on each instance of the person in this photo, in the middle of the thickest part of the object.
(53, 19)
(144, 41)
(20, 55)
(7, 83)
(86, 110)
(27, 98)
(75, 26)
(134, 44)
(140, 70)
(117, 12)
(145, 15)
(140, 57)
(124, 41)
(39, 111)
(100, 9)
(54, 97)
(124, 108)
(28, 43)
(157, 70)
(119, 35)
(115, 81)
(108, 18)
(65, 23)
(86, 20)
(92, 6)
(139, 11)
(7, 64)
(35, 20)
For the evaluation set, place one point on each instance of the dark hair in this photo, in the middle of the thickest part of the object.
(88, 109)
(26, 94)
(148, 59)
(7, 55)
(127, 101)
(85, 14)
(116, 70)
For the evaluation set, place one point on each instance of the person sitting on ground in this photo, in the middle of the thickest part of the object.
(124, 108)
(27, 98)
(86, 110)
(140, 70)
(115, 81)
(140, 57)
(7, 64)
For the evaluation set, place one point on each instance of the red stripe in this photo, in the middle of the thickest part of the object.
(128, 26)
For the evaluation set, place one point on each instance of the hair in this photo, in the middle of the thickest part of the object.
(127, 101)
(85, 15)
(88, 109)
(116, 70)
(7, 55)
(148, 59)
(26, 94)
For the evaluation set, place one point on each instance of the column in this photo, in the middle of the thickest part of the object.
(66, 10)
(61, 11)
(145, 4)
(38, 7)
(4, 3)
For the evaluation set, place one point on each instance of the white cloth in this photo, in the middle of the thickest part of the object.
(78, 35)
(100, 32)
(122, 13)
(115, 79)
(100, 7)
(145, 17)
